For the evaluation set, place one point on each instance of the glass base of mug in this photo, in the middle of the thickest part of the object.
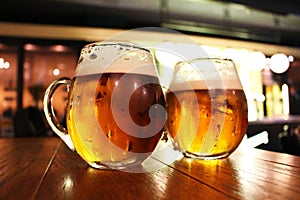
(114, 165)
(199, 156)
(98, 165)
(205, 156)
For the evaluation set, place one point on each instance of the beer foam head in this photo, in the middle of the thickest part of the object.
(205, 73)
(115, 57)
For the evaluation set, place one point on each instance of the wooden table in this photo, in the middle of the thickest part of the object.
(43, 168)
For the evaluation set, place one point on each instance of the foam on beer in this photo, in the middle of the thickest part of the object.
(115, 58)
(205, 84)
(205, 74)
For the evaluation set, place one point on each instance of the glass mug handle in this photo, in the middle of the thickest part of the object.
(61, 131)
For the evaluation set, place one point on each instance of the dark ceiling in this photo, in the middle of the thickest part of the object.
(83, 13)
(283, 7)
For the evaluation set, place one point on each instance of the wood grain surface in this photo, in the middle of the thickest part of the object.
(44, 168)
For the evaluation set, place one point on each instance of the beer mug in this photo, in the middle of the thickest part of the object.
(207, 115)
(116, 108)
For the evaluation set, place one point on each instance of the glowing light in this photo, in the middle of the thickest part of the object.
(259, 97)
(56, 72)
(59, 48)
(68, 183)
(30, 47)
(211, 51)
(291, 58)
(6, 65)
(285, 99)
(166, 54)
(256, 60)
(258, 139)
(117, 83)
(230, 53)
(279, 63)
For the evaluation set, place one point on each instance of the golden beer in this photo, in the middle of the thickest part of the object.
(96, 134)
(206, 108)
(231, 129)
(116, 107)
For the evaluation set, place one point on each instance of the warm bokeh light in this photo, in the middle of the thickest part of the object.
(256, 60)
(230, 53)
(4, 65)
(59, 48)
(56, 72)
(279, 63)
(285, 99)
(291, 58)
(166, 58)
(30, 47)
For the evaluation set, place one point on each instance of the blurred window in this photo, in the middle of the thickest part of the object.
(8, 80)
(43, 62)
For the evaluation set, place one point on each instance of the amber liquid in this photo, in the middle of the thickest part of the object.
(96, 135)
(211, 125)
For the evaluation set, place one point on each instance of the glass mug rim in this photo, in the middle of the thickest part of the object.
(214, 59)
(111, 58)
(112, 43)
(214, 73)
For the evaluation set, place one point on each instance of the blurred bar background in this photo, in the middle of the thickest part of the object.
(41, 40)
